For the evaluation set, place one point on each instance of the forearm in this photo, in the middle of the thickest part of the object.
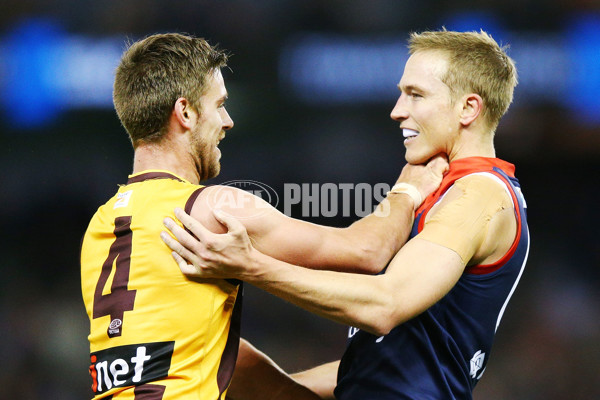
(379, 236)
(321, 380)
(257, 377)
(362, 301)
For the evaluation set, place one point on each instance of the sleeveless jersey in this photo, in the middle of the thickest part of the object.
(154, 334)
(441, 353)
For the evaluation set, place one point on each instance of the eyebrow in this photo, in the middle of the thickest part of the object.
(410, 88)
(223, 98)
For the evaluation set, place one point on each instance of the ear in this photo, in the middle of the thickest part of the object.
(472, 106)
(184, 113)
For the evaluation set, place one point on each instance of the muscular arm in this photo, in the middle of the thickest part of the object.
(422, 272)
(365, 246)
(257, 377)
(321, 380)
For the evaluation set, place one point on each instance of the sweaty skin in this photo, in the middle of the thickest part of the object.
(478, 193)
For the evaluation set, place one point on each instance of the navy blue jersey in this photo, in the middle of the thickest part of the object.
(442, 353)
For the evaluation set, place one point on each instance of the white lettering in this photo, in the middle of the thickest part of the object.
(243, 198)
(363, 205)
(329, 200)
(310, 199)
(346, 188)
(225, 199)
(117, 368)
(139, 360)
(323, 200)
(103, 366)
(260, 201)
(291, 195)
(379, 193)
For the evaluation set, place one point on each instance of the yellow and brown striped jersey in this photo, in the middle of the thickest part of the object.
(154, 334)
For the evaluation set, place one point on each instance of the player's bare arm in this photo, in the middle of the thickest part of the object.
(366, 246)
(459, 230)
(321, 379)
(256, 376)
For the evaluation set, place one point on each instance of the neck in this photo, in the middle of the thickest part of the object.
(472, 144)
(165, 157)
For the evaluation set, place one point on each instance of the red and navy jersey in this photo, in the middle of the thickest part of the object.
(443, 352)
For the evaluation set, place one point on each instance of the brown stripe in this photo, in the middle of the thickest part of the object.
(152, 175)
(190, 203)
(229, 357)
(149, 392)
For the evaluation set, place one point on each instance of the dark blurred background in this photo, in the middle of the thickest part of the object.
(311, 87)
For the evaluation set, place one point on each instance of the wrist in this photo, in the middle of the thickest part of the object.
(255, 269)
(408, 189)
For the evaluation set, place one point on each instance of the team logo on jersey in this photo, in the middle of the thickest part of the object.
(123, 199)
(114, 327)
(477, 363)
(130, 365)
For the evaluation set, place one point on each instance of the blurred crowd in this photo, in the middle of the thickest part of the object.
(55, 176)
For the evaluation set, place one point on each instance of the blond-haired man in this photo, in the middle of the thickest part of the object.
(422, 329)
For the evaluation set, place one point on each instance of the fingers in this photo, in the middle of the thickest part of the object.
(195, 269)
(232, 224)
(192, 224)
(186, 268)
(176, 246)
(184, 237)
(439, 164)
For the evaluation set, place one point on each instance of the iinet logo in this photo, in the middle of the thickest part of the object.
(130, 365)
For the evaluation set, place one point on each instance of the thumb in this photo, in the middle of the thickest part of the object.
(439, 164)
(230, 222)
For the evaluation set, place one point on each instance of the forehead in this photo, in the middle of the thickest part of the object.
(424, 69)
(215, 86)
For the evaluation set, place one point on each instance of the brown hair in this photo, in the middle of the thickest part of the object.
(476, 64)
(153, 73)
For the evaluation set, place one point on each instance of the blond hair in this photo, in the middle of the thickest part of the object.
(476, 64)
(153, 73)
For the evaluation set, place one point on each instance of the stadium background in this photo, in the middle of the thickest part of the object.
(311, 88)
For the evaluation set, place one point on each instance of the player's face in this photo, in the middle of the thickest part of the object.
(210, 129)
(428, 118)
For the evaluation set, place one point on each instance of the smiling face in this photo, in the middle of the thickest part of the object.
(427, 115)
(210, 128)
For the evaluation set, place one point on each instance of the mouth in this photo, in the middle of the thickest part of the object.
(409, 134)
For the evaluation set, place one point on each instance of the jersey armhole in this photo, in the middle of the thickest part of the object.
(483, 269)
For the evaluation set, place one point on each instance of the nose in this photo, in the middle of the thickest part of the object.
(227, 121)
(399, 112)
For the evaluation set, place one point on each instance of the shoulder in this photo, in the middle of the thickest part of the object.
(245, 206)
(475, 218)
(479, 190)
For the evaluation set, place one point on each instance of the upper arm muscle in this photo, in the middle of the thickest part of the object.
(472, 209)
(421, 274)
(274, 233)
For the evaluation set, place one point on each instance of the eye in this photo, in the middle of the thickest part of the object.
(415, 95)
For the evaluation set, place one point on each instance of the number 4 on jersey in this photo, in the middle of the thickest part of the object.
(120, 299)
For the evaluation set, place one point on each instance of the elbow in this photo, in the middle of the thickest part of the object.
(381, 325)
(370, 259)
(375, 253)
(384, 317)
